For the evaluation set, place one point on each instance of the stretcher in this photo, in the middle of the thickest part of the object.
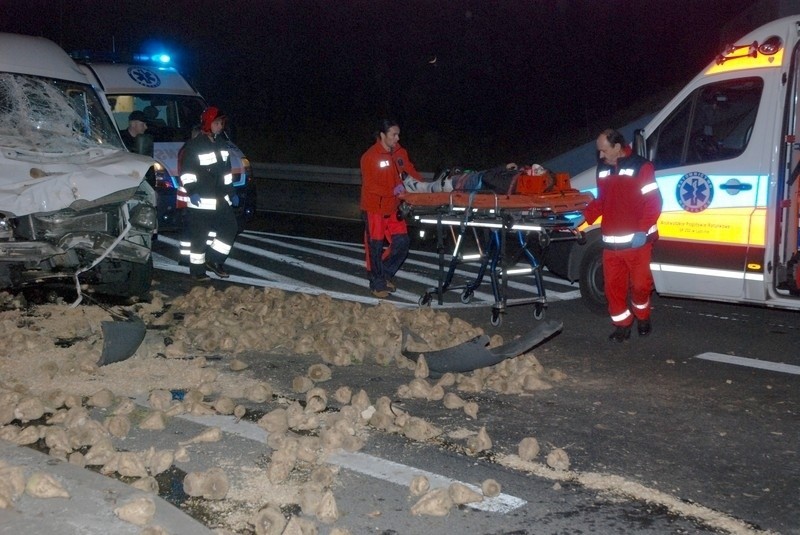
(489, 218)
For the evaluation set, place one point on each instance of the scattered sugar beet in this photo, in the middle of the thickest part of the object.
(177, 378)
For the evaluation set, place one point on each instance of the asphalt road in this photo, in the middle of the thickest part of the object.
(700, 418)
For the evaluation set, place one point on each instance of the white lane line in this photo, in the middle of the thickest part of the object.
(166, 264)
(404, 274)
(169, 265)
(275, 280)
(408, 296)
(401, 474)
(750, 363)
(243, 266)
(359, 248)
(362, 463)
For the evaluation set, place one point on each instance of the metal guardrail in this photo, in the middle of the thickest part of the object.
(311, 173)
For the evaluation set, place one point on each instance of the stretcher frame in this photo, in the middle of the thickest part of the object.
(547, 217)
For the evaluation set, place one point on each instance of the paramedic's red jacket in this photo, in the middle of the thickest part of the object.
(380, 174)
(628, 199)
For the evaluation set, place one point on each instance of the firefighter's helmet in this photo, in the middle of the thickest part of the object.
(209, 115)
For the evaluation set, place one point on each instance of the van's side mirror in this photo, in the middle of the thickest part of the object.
(639, 145)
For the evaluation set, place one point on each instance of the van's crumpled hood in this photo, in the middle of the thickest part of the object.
(29, 186)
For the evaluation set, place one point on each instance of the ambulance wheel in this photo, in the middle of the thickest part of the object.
(497, 318)
(466, 296)
(425, 299)
(593, 293)
(538, 311)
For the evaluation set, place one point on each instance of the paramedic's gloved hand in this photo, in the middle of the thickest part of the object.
(194, 198)
(398, 189)
(639, 239)
(234, 200)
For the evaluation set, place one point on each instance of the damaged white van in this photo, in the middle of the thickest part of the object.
(75, 207)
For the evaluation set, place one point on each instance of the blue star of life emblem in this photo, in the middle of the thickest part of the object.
(694, 192)
(144, 76)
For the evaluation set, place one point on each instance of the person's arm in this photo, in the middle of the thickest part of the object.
(651, 197)
(370, 173)
(189, 167)
(595, 207)
(405, 165)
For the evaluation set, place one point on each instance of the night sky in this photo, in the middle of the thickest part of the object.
(466, 79)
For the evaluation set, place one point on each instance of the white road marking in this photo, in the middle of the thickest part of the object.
(401, 474)
(358, 248)
(408, 296)
(243, 266)
(362, 463)
(750, 363)
(266, 278)
(403, 274)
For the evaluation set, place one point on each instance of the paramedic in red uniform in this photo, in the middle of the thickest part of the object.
(629, 202)
(383, 168)
(206, 175)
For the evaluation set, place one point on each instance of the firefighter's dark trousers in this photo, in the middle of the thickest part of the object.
(212, 233)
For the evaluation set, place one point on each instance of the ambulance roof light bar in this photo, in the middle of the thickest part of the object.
(160, 58)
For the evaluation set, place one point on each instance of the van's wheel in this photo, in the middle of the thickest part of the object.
(593, 293)
(140, 279)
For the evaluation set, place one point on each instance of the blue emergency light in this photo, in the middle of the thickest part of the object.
(154, 58)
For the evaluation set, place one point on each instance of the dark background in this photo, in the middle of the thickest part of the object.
(305, 81)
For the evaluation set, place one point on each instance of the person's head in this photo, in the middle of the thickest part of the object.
(150, 113)
(212, 121)
(137, 123)
(388, 133)
(610, 146)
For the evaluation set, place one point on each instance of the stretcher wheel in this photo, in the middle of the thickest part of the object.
(544, 239)
(497, 318)
(425, 299)
(466, 296)
(538, 311)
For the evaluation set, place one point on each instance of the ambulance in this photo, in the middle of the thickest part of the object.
(173, 107)
(726, 151)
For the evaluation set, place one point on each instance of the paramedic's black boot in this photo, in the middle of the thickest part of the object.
(217, 270)
(620, 334)
(644, 327)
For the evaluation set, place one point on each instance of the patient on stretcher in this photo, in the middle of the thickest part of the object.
(501, 179)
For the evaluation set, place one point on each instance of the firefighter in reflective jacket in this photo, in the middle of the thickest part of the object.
(629, 202)
(206, 175)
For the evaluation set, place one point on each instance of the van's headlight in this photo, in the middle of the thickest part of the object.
(144, 216)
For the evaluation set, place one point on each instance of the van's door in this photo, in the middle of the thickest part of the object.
(709, 168)
(785, 259)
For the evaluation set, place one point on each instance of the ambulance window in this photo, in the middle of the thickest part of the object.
(714, 123)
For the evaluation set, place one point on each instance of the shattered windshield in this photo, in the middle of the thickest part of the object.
(52, 116)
